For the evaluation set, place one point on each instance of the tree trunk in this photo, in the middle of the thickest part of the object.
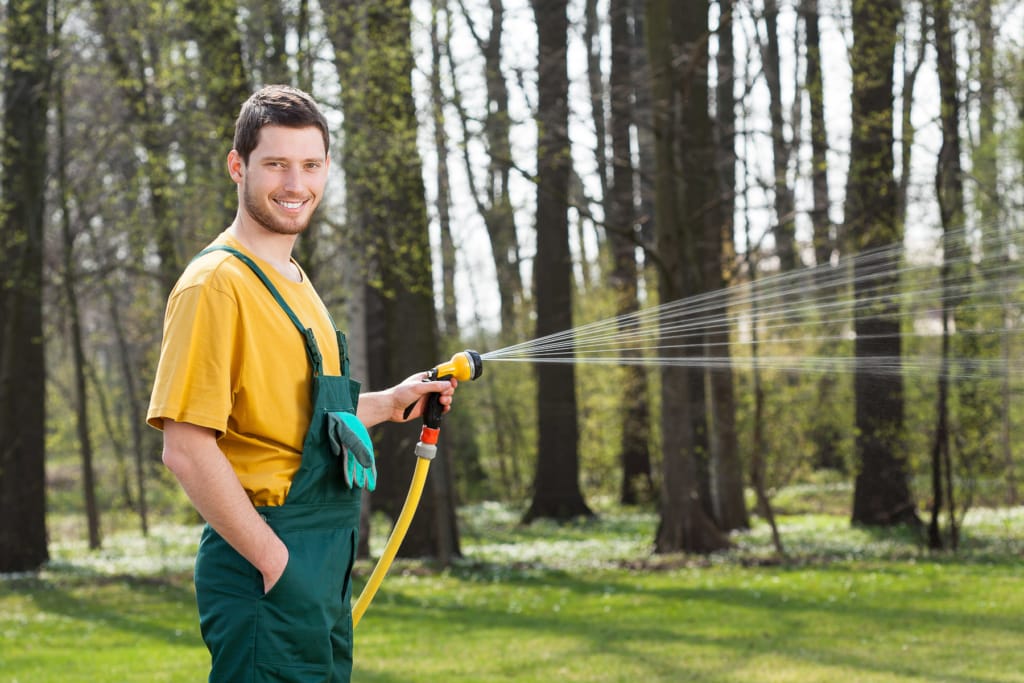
(956, 260)
(387, 214)
(74, 319)
(729, 505)
(623, 235)
(682, 132)
(784, 229)
(882, 493)
(136, 413)
(757, 459)
(825, 433)
(592, 39)
(556, 488)
(22, 369)
(448, 307)
(913, 60)
(823, 231)
(643, 115)
(940, 441)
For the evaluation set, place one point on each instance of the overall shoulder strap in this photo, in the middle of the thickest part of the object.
(312, 350)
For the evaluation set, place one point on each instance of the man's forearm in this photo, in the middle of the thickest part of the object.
(390, 404)
(375, 407)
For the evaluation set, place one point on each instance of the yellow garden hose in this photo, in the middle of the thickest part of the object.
(412, 501)
(464, 366)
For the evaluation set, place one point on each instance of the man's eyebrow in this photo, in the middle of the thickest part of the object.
(285, 158)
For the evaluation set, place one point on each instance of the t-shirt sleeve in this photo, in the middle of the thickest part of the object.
(195, 376)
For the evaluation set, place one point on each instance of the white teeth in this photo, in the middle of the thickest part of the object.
(290, 205)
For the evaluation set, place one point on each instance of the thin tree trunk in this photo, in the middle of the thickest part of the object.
(623, 235)
(940, 443)
(822, 227)
(443, 480)
(136, 414)
(556, 487)
(784, 229)
(826, 433)
(757, 458)
(643, 115)
(950, 191)
(115, 437)
(592, 39)
(728, 501)
(913, 60)
(74, 319)
(437, 44)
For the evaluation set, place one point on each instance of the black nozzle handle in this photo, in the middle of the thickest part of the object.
(433, 412)
(433, 403)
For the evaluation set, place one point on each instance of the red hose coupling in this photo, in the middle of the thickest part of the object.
(429, 435)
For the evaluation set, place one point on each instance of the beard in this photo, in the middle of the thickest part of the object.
(272, 222)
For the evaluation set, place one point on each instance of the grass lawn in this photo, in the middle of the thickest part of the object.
(584, 602)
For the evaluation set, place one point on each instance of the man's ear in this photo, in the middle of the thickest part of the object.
(236, 167)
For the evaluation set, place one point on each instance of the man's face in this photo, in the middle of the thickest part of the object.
(284, 180)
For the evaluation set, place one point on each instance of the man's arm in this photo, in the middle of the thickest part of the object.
(390, 404)
(192, 455)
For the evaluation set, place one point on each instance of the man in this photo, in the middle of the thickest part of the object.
(262, 426)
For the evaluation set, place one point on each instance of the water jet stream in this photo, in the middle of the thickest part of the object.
(805, 319)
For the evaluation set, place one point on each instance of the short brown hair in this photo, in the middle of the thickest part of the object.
(276, 105)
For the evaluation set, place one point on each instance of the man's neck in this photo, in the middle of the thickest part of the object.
(274, 248)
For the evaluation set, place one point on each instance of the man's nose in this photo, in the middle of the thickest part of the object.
(293, 178)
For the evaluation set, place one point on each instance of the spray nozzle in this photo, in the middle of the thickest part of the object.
(464, 366)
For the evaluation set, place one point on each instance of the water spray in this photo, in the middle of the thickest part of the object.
(463, 366)
(803, 321)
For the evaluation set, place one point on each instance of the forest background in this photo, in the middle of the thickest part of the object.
(827, 194)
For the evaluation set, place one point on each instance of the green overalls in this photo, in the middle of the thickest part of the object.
(302, 629)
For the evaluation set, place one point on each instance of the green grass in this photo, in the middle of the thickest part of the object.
(581, 602)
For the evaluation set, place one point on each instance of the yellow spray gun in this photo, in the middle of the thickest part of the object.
(463, 366)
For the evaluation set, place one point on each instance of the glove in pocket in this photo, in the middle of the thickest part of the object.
(351, 442)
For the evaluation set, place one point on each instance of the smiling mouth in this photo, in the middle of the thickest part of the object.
(290, 205)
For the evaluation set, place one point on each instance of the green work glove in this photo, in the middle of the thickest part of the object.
(351, 442)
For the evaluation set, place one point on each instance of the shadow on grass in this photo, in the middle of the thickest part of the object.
(154, 608)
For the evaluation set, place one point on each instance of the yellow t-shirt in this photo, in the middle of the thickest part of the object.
(233, 361)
